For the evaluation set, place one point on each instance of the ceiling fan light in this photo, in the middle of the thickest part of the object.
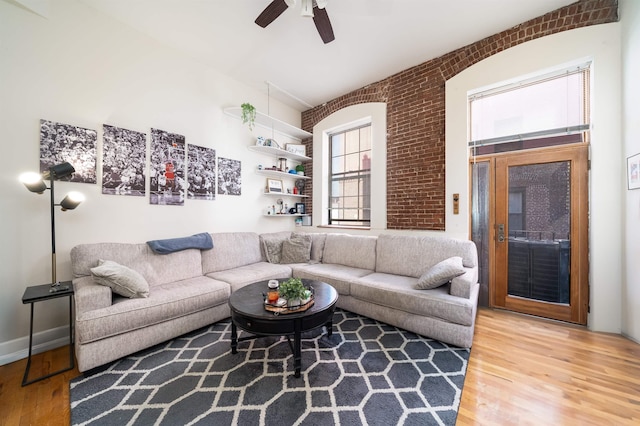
(322, 3)
(307, 8)
(290, 3)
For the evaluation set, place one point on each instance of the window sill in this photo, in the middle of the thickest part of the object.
(363, 228)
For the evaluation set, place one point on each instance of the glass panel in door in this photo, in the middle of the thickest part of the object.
(539, 226)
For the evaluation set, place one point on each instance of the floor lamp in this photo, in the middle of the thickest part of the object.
(36, 183)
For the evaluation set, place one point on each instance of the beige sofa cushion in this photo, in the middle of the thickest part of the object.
(231, 250)
(243, 275)
(155, 268)
(414, 255)
(89, 295)
(462, 285)
(356, 251)
(339, 276)
(165, 302)
(398, 292)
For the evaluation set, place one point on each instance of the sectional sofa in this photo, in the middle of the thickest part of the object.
(375, 276)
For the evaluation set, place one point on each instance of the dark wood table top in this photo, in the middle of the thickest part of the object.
(37, 293)
(249, 300)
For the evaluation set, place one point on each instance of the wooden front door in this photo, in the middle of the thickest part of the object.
(540, 233)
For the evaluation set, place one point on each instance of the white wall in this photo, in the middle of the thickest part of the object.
(601, 44)
(81, 68)
(630, 21)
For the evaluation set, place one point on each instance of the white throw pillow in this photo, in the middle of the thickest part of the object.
(441, 273)
(122, 280)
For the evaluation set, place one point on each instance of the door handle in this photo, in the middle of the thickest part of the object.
(501, 233)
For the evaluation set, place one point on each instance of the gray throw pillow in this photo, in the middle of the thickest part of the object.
(272, 245)
(272, 250)
(441, 273)
(296, 249)
(122, 280)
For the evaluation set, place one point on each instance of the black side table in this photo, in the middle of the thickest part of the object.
(41, 293)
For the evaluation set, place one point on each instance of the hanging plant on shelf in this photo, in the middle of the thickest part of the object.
(248, 114)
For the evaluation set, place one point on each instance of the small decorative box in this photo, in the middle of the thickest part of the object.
(296, 149)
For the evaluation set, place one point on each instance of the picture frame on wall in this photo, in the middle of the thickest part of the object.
(300, 208)
(633, 172)
(274, 185)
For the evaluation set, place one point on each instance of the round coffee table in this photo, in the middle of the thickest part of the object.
(248, 313)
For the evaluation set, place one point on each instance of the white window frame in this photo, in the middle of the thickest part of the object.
(374, 113)
(360, 175)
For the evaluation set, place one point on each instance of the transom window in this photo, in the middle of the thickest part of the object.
(350, 177)
(547, 110)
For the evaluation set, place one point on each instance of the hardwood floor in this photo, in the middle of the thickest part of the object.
(42, 403)
(530, 371)
(522, 371)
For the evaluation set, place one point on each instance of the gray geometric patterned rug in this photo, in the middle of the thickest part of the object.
(366, 373)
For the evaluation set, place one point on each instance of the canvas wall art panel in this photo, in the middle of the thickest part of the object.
(229, 177)
(61, 142)
(124, 156)
(201, 173)
(167, 168)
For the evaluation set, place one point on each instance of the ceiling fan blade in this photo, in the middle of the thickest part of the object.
(271, 12)
(323, 24)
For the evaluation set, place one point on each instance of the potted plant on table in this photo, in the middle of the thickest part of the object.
(294, 292)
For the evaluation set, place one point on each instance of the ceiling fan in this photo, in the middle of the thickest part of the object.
(310, 8)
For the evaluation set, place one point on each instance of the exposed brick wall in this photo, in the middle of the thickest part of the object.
(416, 117)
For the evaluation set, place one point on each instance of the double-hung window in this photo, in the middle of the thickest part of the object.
(350, 177)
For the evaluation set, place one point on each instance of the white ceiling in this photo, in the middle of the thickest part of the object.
(374, 38)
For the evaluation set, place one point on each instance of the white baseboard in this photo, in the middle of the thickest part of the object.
(17, 349)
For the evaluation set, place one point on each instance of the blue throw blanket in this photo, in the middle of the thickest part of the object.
(201, 241)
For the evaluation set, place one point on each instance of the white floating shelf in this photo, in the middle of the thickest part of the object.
(284, 194)
(279, 175)
(285, 215)
(267, 122)
(277, 152)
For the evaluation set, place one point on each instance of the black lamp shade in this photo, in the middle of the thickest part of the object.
(71, 200)
(61, 170)
(33, 181)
